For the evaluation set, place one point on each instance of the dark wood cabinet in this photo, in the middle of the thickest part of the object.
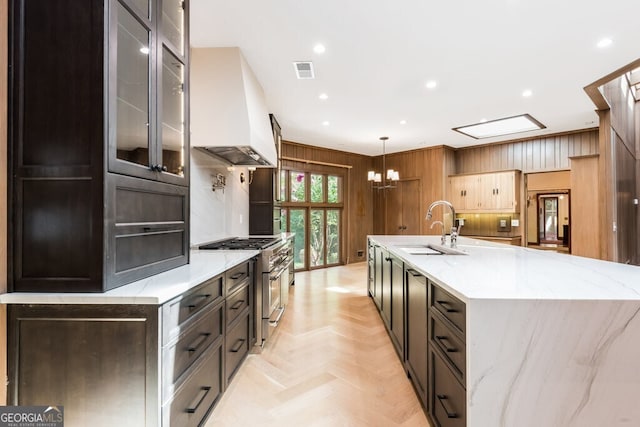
(385, 289)
(90, 359)
(397, 305)
(427, 326)
(265, 195)
(447, 398)
(157, 365)
(416, 345)
(378, 261)
(98, 144)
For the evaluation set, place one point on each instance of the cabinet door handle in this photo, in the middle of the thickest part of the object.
(237, 346)
(193, 409)
(447, 306)
(237, 276)
(193, 306)
(197, 343)
(237, 305)
(442, 398)
(443, 342)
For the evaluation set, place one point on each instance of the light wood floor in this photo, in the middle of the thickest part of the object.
(330, 363)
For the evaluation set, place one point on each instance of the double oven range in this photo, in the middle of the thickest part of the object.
(273, 276)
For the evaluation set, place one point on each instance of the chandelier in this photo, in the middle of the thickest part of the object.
(379, 181)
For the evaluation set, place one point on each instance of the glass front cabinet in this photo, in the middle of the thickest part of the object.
(98, 142)
(147, 81)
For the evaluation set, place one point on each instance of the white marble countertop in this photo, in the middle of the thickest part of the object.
(498, 271)
(156, 289)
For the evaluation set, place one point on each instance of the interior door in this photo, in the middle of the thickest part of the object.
(403, 208)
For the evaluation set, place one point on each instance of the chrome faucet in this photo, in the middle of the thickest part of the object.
(454, 230)
(442, 239)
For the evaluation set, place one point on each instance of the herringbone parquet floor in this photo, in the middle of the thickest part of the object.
(330, 363)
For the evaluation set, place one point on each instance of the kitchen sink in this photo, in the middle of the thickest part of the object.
(431, 249)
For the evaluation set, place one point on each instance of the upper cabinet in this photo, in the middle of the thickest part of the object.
(98, 142)
(147, 86)
(489, 192)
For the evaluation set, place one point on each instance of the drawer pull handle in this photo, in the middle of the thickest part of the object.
(414, 273)
(237, 305)
(443, 342)
(194, 306)
(197, 343)
(441, 399)
(199, 401)
(237, 276)
(447, 306)
(237, 346)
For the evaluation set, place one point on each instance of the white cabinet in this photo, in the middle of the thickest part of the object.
(489, 192)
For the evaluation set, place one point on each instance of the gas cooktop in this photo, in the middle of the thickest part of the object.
(242, 243)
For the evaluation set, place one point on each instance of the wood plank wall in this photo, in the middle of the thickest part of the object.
(3, 194)
(358, 200)
(429, 165)
(549, 153)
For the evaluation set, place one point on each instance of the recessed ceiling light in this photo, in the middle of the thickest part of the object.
(605, 42)
(527, 93)
(431, 84)
(326, 123)
(323, 96)
(500, 127)
(403, 122)
(319, 49)
(144, 50)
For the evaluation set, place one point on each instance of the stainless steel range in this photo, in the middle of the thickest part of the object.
(272, 278)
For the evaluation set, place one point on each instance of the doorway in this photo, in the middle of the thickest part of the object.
(552, 227)
(548, 217)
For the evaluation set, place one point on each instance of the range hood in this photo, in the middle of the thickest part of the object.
(229, 116)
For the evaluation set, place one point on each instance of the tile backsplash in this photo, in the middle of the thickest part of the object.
(488, 224)
(221, 213)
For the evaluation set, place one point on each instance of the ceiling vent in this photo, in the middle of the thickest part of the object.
(304, 69)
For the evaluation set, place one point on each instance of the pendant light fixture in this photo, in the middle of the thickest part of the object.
(377, 179)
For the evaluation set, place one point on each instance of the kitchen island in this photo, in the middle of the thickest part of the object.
(536, 338)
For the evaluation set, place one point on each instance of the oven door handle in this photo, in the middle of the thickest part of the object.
(278, 274)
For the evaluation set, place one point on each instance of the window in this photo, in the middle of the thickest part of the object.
(312, 209)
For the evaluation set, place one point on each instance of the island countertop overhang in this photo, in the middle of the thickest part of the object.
(498, 271)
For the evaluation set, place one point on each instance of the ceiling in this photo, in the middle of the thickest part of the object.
(380, 55)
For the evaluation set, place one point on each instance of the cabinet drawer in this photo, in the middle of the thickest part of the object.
(449, 306)
(237, 303)
(452, 348)
(237, 276)
(181, 309)
(447, 398)
(197, 394)
(179, 356)
(237, 345)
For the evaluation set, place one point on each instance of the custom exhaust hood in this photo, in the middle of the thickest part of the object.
(229, 117)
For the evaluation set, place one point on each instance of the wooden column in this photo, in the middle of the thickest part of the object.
(585, 207)
(606, 185)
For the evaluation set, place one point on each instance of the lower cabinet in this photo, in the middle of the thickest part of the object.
(397, 304)
(427, 325)
(447, 397)
(416, 321)
(133, 365)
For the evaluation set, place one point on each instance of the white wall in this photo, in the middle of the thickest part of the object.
(217, 214)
